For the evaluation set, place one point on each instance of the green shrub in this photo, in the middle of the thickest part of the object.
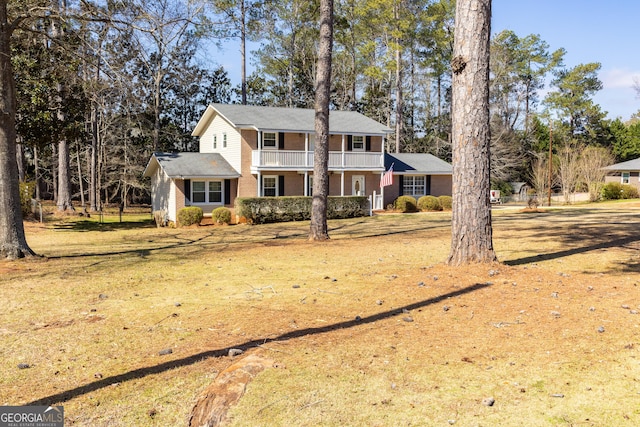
(27, 193)
(406, 204)
(261, 210)
(446, 202)
(629, 192)
(189, 216)
(612, 191)
(429, 203)
(221, 215)
(504, 187)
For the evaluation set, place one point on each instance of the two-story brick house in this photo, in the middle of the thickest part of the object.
(249, 151)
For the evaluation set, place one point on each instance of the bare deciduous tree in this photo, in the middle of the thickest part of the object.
(569, 168)
(592, 162)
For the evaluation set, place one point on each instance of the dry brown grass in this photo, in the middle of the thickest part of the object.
(369, 328)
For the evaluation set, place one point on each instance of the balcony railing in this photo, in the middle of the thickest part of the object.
(282, 159)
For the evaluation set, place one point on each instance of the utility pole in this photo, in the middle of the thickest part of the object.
(550, 159)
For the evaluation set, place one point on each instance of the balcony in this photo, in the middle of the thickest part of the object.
(301, 160)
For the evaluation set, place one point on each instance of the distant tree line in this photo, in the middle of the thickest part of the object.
(102, 85)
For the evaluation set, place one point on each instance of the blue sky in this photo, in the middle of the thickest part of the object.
(590, 31)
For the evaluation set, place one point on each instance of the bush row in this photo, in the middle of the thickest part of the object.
(261, 210)
(424, 203)
(616, 190)
(192, 215)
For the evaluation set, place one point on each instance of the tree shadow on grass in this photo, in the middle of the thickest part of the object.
(88, 225)
(193, 359)
(614, 243)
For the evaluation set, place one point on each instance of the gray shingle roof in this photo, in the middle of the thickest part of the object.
(298, 120)
(630, 165)
(416, 163)
(191, 165)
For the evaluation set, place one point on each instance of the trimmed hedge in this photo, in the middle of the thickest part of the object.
(221, 215)
(189, 216)
(406, 204)
(629, 192)
(429, 203)
(446, 202)
(616, 190)
(262, 210)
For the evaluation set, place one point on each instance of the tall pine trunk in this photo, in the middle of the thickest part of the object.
(13, 243)
(471, 230)
(319, 229)
(64, 177)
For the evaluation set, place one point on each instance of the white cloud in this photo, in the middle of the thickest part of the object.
(619, 78)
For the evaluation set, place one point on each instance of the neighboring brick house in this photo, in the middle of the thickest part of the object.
(624, 173)
(249, 151)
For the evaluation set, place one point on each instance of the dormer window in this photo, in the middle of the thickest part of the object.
(269, 140)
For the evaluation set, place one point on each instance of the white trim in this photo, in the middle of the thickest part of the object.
(275, 141)
(207, 192)
(275, 187)
(413, 185)
(353, 143)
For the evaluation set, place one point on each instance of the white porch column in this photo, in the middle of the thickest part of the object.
(342, 183)
(344, 151)
(306, 183)
(258, 183)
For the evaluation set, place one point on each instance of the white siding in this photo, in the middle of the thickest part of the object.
(164, 193)
(218, 126)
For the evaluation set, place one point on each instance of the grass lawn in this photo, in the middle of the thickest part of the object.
(125, 324)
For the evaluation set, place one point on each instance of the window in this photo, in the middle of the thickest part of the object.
(270, 186)
(206, 192)
(215, 192)
(215, 141)
(625, 177)
(269, 140)
(357, 143)
(413, 185)
(198, 194)
(224, 140)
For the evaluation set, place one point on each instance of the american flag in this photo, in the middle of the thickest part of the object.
(387, 177)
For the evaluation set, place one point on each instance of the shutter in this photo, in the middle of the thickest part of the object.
(227, 191)
(280, 185)
(368, 143)
(349, 143)
(187, 191)
(281, 140)
(401, 184)
(428, 185)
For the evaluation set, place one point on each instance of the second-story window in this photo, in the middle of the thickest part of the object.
(358, 143)
(269, 140)
(224, 140)
(215, 141)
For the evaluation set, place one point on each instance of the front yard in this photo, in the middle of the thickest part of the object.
(126, 325)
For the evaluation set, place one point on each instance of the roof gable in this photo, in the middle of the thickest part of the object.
(630, 165)
(417, 164)
(191, 165)
(289, 120)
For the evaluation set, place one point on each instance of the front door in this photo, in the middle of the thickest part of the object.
(357, 185)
